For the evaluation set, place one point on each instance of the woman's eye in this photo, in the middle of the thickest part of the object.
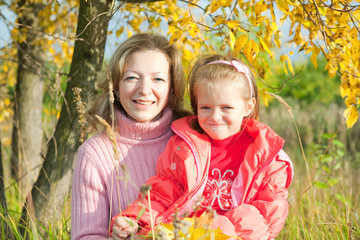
(130, 78)
(159, 79)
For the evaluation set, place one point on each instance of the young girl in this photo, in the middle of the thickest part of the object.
(235, 163)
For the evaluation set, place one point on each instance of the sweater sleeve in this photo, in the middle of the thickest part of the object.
(166, 189)
(264, 215)
(90, 205)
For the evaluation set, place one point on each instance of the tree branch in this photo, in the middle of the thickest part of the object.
(141, 1)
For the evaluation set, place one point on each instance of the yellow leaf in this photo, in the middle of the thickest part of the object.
(251, 50)
(283, 6)
(119, 31)
(314, 59)
(351, 115)
(351, 99)
(218, 22)
(225, 3)
(260, 7)
(52, 50)
(332, 67)
(183, 21)
(232, 39)
(265, 46)
(282, 59)
(176, 36)
(285, 59)
(232, 24)
(240, 42)
(344, 90)
(214, 6)
(193, 30)
(266, 98)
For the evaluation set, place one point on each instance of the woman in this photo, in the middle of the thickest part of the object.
(148, 80)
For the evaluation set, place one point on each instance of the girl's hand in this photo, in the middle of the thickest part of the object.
(124, 227)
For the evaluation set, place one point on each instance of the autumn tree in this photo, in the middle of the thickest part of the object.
(251, 28)
(55, 177)
(27, 130)
(33, 38)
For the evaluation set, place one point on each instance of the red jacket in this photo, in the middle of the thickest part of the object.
(259, 191)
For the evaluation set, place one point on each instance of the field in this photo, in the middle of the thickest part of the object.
(324, 197)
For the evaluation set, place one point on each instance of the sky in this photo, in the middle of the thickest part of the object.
(113, 41)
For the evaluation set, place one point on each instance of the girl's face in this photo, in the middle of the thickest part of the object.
(145, 86)
(221, 109)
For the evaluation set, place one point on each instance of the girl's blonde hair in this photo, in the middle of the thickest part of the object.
(211, 73)
(139, 42)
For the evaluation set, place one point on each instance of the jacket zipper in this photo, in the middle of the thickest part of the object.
(262, 168)
(188, 201)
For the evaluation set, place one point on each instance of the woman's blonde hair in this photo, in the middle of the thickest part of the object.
(139, 42)
(203, 71)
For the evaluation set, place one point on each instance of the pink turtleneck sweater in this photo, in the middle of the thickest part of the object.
(100, 185)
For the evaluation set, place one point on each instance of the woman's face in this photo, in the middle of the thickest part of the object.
(145, 85)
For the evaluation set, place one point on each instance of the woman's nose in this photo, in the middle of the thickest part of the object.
(145, 87)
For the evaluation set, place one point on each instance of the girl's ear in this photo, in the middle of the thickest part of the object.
(250, 106)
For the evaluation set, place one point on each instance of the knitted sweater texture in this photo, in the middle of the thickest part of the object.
(103, 186)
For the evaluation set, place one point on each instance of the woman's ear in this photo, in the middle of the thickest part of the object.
(250, 105)
(116, 94)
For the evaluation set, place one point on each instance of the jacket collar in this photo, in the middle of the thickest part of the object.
(266, 143)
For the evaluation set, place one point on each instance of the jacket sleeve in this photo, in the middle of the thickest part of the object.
(166, 188)
(263, 215)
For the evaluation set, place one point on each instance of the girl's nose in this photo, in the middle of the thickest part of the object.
(215, 115)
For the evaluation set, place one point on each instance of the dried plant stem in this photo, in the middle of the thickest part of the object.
(111, 134)
(111, 99)
(311, 176)
(80, 105)
(151, 218)
(288, 108)
(112, 112)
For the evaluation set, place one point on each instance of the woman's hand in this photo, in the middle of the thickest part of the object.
(124, 227)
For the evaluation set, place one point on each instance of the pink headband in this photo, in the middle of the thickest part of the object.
(241, 69)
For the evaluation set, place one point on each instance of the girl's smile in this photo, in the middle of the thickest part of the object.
(221, 109)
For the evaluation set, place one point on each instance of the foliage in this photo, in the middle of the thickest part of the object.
(189, 228)
(307, 86)
(250, 27)
(56, 25)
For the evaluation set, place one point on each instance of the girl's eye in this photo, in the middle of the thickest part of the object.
(204, 108)
(227, 108)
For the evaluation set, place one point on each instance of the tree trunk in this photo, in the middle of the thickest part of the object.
(2, 186)
(53, 185)
(27, 130)
(3, 223)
